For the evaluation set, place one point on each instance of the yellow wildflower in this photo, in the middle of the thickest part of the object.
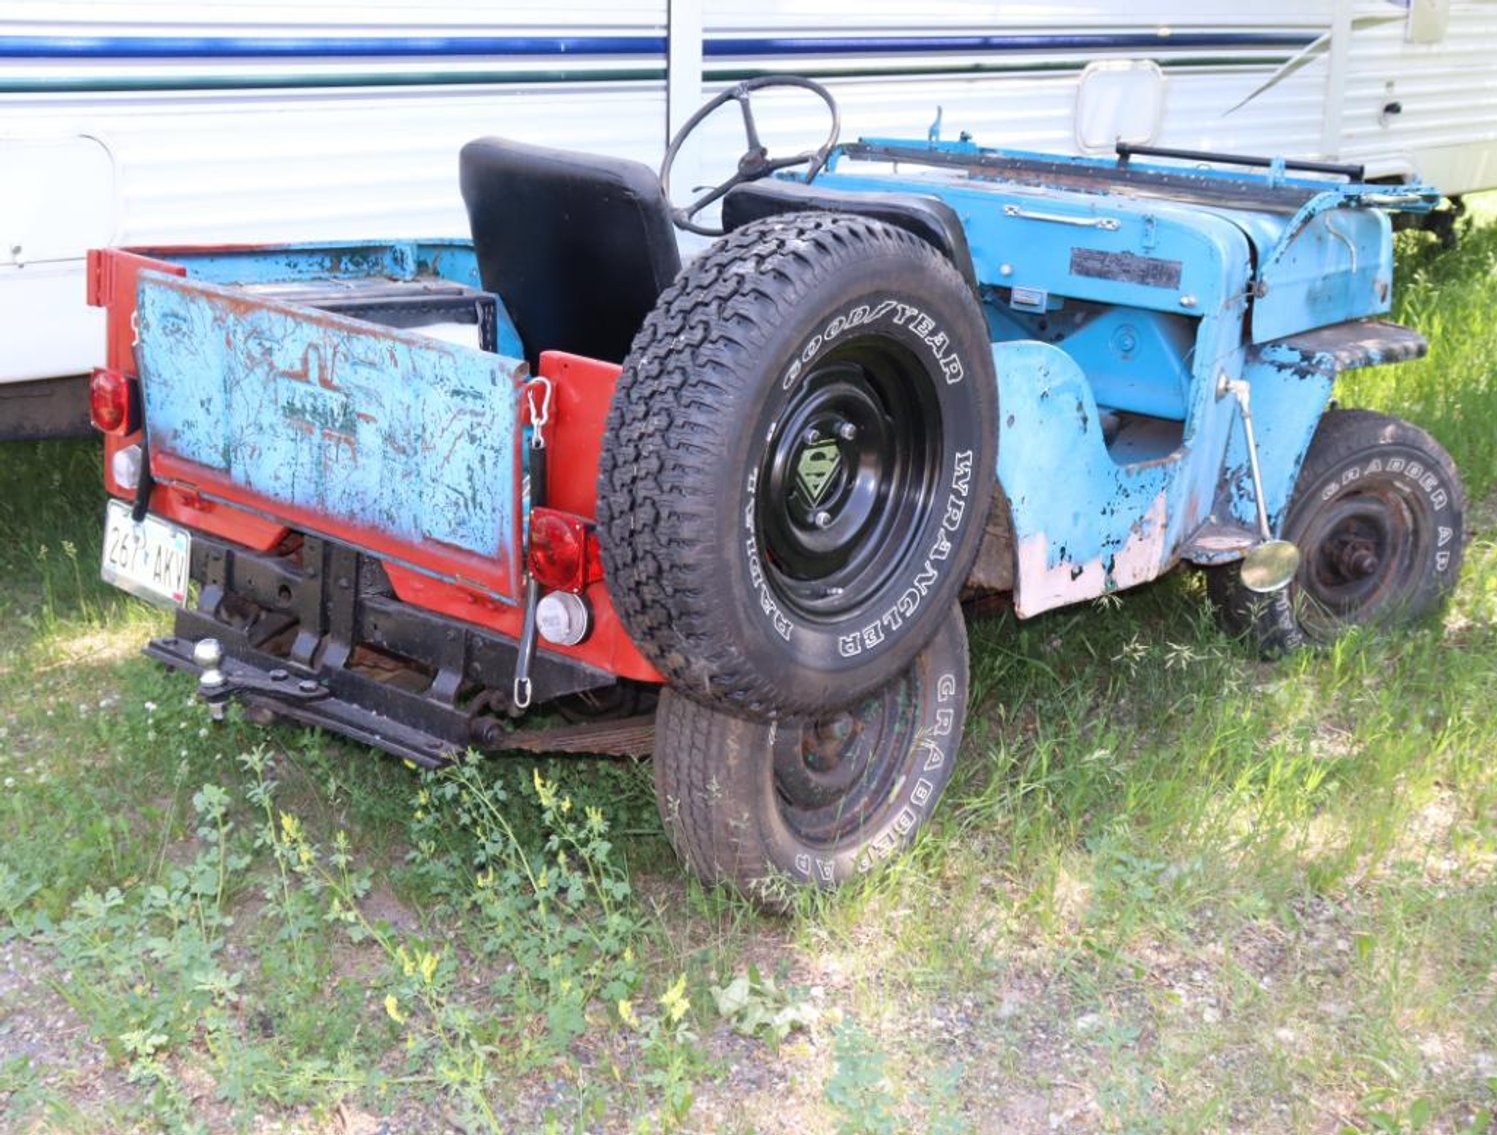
(392, 1007)
(674, 1001)
(626, 1013)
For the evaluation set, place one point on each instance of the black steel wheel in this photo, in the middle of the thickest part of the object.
(847, 473)
(772, 806)
(798, 463)
(1378, 515)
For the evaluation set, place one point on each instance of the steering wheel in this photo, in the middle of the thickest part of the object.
(755, 162)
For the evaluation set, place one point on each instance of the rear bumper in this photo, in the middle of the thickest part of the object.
(317, 635)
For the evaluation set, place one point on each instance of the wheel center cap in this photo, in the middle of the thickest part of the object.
(815, 469)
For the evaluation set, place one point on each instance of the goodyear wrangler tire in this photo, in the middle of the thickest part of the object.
(1378, 516)
(772, 806)
(797, 463)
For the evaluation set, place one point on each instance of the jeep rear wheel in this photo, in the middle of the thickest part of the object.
(772, 806)
(1378, 514)
(797, 464)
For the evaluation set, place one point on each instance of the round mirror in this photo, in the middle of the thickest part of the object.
(1270, 566)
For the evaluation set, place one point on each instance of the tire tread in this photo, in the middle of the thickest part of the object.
(667, 430)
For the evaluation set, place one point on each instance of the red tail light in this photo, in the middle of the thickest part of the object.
(563, 550)
(109, 398)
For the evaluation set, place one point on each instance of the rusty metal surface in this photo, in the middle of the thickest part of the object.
(630, 737)
(1347, 346)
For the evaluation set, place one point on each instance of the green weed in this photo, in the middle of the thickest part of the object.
(859, 1091)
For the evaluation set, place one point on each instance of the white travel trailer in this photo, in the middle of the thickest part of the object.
(265, 120)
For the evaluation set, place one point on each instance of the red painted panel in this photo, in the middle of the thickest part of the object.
(608, 647)
(199, 498)
(584, 389)
(113, 281)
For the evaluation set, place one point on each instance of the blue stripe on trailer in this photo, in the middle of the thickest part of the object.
(298, 47)
(984, 44)
(301, 47)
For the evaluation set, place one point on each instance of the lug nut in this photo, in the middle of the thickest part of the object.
(811, 437)
(847, 431)
(822, 519)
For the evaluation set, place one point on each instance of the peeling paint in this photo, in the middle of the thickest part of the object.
(1054, 580)
(369, 425)
(1146, 550)
(1046, 584)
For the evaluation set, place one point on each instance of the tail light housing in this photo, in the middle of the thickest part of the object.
(564, 552)
(111, 402)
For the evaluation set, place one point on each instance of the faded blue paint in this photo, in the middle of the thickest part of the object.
(1108, 289)
(1291, 382)
(1034, 245)
(364, 424)
(1330, 264)
(1288, 398)
(1083, 523)
(1136, 361)
(289, 263)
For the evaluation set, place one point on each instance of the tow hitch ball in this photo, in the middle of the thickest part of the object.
(264, 688)
(212, 685)
(1270, 564)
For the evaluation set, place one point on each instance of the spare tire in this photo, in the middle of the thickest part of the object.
(797, 463)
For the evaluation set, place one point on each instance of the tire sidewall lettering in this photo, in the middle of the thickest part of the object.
(906, 322)
(779, 622)
(928, 776)
(922, 791)
(912, 326)
(1413, 477)
(887, 623)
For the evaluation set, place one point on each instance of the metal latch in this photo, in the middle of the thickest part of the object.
(540, 418)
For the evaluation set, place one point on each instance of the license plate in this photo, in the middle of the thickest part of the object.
(148, 558)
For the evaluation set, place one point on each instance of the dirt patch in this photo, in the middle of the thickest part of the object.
(45, 1046)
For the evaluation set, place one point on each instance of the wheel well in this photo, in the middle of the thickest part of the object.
(929, 218)
(995, 569)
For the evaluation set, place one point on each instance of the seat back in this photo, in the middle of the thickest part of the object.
(578, 246)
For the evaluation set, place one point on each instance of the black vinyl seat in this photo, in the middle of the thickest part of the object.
(929, 218)
(579, 247)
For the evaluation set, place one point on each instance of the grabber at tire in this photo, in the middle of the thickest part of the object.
(773, 806)
(797, 463)
(1378, 516)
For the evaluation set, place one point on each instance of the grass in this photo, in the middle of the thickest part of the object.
(1172, 888)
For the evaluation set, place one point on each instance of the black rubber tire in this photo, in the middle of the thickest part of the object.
(743, 805)
(759, 576)
(1378, 514)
